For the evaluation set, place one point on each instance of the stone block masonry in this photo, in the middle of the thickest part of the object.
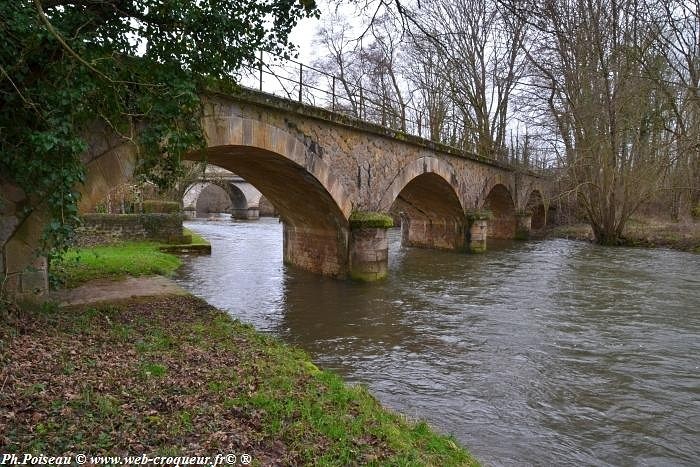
(437, 234)
(368, 251)
(246, 213)
(98, 229)
(478, 229)
(317, 168)
(316, 250)
(477, 235)
(523, 225)
(369, 254)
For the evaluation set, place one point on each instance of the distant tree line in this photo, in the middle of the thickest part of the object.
(601, 93)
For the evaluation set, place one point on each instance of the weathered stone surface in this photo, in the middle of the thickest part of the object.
(22, 249)
(114, 166)
(441, 235)
(371, 164)
(500, 203)
(369, 253)
(320, 251)
(316, 168)
(24, 270)
(246, 213)
(266, 208)
(8, 224)
(535, 204)
(34, 282)
(109, 228)
(478, 229)
(523, 225)
(10, 193)
(11, 284)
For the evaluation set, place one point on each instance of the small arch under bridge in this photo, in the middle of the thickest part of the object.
(221, 191)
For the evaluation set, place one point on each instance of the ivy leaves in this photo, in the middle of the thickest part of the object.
(127, 64)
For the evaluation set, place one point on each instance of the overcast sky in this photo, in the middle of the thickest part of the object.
(303, 35)
(305, 32)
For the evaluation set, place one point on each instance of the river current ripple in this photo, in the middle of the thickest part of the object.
(540, 353)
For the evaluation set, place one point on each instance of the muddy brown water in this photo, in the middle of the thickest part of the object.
(540, 353)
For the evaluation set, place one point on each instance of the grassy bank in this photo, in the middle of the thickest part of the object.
(113, 262)
(173, 375)
(120, 260)
(644, 232)
(196, 238)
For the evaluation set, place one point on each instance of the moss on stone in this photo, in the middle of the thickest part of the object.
(152, 206)
(695, 212)
(367, 276)
(192, 243)
(479, 215)
(477, 249)
(370, 220)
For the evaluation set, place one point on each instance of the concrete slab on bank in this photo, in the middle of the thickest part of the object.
(104, 290)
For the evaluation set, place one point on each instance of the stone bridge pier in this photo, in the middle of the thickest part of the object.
(333, 180)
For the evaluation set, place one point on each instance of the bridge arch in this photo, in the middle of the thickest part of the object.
(500, 202)
(267, 209)
(255, 133)
(418, 167)
(207, 197)
(425, 196)
(310, 200)
(234, 131)
(215, 199)
(536, 205)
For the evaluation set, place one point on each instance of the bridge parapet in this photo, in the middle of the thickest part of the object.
(299, 83)
(317, 167)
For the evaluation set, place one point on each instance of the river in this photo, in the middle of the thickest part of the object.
(536, 353)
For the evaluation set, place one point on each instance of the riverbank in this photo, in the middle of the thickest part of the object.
(649, 233)
(125, 259)
(172, 375)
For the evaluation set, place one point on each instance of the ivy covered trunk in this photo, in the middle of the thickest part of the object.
(136, 67)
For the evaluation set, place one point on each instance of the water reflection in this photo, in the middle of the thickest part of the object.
(539, 353)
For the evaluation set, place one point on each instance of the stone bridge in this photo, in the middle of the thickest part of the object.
(220, 190)
(319, 169)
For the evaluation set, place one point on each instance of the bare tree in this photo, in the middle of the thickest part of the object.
(367, 67)
(677, 25)
(608, 115)
(480, 55)
(386, 48)
(425, 78)
(338, 39)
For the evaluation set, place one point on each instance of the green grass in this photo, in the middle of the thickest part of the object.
(196, 238)
(113, 262)
(120, 260)
(173, 374)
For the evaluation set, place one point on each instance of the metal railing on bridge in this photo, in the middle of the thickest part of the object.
(294, 80)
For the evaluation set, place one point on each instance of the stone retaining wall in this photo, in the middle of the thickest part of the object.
(100, 229)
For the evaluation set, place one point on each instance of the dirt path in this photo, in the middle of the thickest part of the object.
(103, 290)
